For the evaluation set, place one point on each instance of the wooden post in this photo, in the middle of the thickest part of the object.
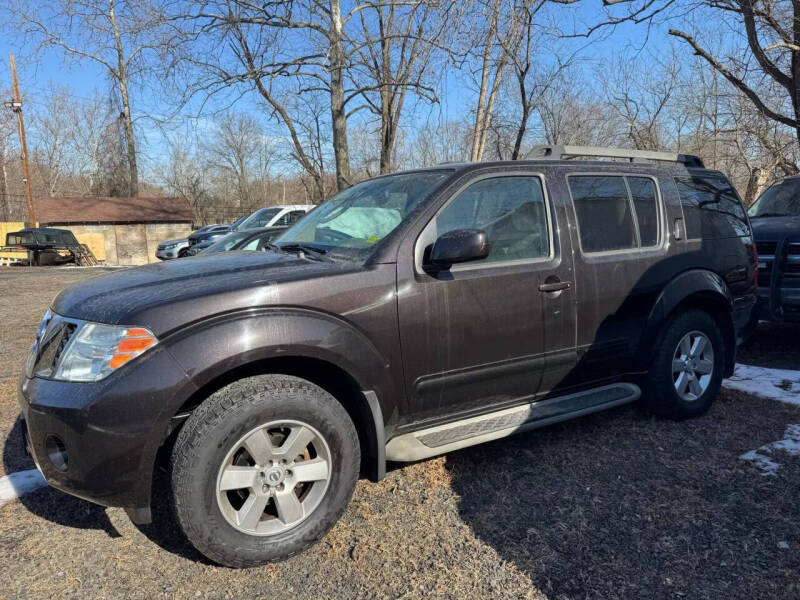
(17, 108)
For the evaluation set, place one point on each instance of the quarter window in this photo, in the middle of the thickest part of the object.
(711, 207)
(511, 210)
(615, 212)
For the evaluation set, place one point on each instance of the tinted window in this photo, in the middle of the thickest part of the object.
(510, 210)
(605, 219)
(643, 193)
(17, 239)
(711, 207)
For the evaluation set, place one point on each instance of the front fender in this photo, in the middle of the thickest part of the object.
(216, 346)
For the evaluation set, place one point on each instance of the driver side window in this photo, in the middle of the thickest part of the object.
(512, 212)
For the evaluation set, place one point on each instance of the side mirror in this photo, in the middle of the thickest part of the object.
(458, 246)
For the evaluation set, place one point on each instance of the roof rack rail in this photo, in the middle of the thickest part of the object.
(562, 152)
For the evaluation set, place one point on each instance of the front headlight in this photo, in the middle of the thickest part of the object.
(169, 246)
(95, 350)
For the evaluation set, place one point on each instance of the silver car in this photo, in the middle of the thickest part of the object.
(172, 249)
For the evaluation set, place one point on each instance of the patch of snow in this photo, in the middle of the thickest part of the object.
(763, 457)
(22, 482)
(776, 384)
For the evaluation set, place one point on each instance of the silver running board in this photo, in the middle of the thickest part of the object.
(476, 430)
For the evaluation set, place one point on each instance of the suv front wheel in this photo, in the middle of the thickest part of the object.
(263, 469)
(686, 369)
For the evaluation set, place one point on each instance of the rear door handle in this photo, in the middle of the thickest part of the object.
(554, 286)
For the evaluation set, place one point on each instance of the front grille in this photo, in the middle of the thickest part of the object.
(50, 347)
(766, 248)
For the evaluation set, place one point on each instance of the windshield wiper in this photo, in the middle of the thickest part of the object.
(770, 214)
(305, 250)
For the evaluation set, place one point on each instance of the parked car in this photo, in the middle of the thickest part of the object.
(412, 314)
(246, 239)
(776, 227)
(172, 249)
(274, 216)
(209, 232)
(180, 247)
(46, 245)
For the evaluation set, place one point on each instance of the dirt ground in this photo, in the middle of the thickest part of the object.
(614, 505)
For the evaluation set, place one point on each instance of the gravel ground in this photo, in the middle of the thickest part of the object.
(615, 505)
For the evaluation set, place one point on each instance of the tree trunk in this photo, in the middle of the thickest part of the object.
(122, 76)
(338, 114)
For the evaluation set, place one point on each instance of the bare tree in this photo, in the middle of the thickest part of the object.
(642, 98)
(115, 34)
(398, 41)
(770, 58)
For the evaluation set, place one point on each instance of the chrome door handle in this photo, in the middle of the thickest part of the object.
(555, 286)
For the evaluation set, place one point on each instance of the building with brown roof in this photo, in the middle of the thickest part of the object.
(131, 228)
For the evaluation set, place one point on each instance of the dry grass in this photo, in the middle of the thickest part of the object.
(617, 505)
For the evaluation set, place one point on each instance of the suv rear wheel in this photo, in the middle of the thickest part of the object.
(263, 469)
(687, 366)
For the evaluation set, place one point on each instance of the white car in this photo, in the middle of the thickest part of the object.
(275, 216)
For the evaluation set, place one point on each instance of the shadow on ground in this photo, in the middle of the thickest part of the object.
(774, 345)
(621, 505)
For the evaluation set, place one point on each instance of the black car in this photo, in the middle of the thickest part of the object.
(410, 315)
(776, 226)
(46, 245)
(209, 232)
(246, 239)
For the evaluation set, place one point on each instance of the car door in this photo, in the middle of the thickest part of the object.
(487, 334)
(621, 247)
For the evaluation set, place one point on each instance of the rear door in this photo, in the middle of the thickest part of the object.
(488, 334)
(621, 246)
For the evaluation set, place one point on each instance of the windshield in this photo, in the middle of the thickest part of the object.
(237, 222)
(226, 243)
(364, 214)
(779, 200)
(260, 218)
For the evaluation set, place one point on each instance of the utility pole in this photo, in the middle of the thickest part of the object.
(16, 106)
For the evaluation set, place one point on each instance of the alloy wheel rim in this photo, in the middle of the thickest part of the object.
(273, 478)
(692, 366)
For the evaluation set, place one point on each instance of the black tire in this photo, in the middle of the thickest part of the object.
(214, 428)
(183, 253)
(660, 395)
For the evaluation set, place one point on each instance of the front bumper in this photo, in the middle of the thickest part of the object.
(781, 305)
(167, 254)
(110, 430)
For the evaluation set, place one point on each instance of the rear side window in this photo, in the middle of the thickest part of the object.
(711, 207)
(615, 212)
(645, 203)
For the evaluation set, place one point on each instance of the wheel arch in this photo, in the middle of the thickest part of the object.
(701, 289)
(361, 404)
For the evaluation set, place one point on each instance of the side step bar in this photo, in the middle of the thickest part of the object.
(468, 432)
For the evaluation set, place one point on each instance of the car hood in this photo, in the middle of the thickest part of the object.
(208, 234)
(164, 296)
(775, 228)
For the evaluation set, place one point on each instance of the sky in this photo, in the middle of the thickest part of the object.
(38, 74)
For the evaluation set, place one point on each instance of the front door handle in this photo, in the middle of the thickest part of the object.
(554, 286)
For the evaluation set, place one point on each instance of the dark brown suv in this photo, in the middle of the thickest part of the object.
(410, 315)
